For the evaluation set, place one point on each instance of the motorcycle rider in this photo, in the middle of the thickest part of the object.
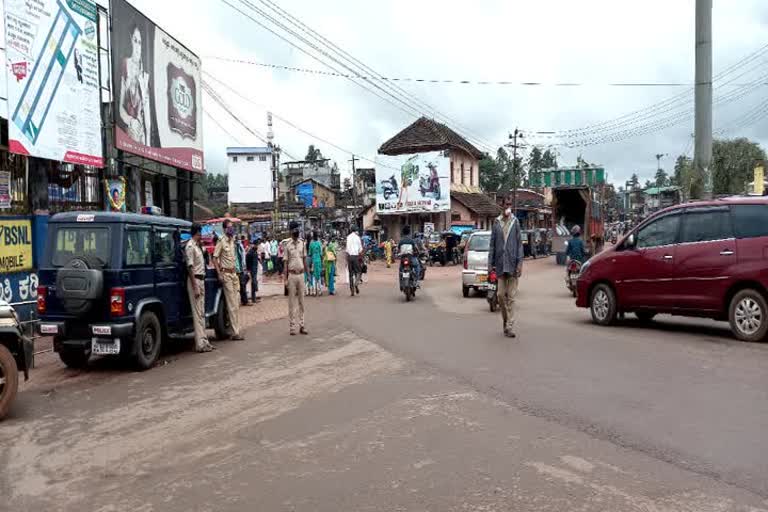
(408, 245)
(575, 251)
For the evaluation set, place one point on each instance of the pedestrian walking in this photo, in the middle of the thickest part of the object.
(242, 270)
(280, 258)
(354, 251)
(195, 260)
(505, 257)
(225, 261)
(295, 267)
(316, 259)
(273, 247)
(331, 251)
(264, 255)
(252, 264)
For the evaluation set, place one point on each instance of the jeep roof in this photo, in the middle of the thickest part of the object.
(116, 217)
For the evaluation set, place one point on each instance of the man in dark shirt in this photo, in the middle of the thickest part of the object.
(576, 246)
(409, 244)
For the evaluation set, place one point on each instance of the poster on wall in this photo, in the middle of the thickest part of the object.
(158, 92)
(418, 183)
(5, 189)
(115, 190)
(53, 80)
(3, 64)
(15, 245)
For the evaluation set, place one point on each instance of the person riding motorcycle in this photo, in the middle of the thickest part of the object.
(575, 251)
(411, 247)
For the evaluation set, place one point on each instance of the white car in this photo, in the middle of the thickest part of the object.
(475, 273)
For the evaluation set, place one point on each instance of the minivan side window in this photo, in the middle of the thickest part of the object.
(662, 231)
(706, 225)
(750, 220)
(165, 247)
(138, 251)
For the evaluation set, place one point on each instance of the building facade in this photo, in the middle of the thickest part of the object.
(252, 174)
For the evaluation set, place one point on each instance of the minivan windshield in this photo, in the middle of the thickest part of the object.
(77, 241)
(480, 243)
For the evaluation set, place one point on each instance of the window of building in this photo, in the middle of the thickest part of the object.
(453, 178)
(262, 158)
(73, 187)
(165, 247)
(249, 159)
(234, 159)
(707, 225)
(471, 176)
(462, 173)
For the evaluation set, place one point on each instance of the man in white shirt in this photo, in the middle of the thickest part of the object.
(354, 252)
(265, 254)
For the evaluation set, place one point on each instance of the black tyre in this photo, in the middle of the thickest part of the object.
(465, 291)
(573, 292)
(9, 380)
(602, 305)
(221, 323)
(149, 340)
(645, 316)
(75, 358)
(493, 304)
(748, 316)
(408, 295)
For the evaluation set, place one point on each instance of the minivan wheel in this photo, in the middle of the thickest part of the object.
(602, 305)
(748, 315)
(222, 325)
(9, 380)
(75, 358)
(149, 339)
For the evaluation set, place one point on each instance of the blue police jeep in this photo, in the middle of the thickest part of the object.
(115, 284)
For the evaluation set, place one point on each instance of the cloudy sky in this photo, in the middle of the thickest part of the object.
(592, 42)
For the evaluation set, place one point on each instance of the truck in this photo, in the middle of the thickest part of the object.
(577, 199)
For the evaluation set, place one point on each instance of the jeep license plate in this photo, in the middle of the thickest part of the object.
(101, 347)
(49, 329)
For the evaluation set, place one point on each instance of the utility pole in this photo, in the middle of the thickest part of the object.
(515, 146)
(354, 176)
(702, 156)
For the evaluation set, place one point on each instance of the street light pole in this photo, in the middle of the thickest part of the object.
(702, 156)
(514, 145)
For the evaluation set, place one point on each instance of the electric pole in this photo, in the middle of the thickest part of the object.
(514, 145)
(702, 156)
(354, 176)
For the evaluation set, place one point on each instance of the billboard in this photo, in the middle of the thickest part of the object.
(52, 73)
(418, 183)
(158, 92)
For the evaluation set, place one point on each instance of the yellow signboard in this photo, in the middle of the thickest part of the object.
(15, 245)
(760, 179)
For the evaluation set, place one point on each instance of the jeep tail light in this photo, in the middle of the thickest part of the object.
(42, 295)
(117, 302)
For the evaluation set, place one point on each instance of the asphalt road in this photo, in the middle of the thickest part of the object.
(420, 406)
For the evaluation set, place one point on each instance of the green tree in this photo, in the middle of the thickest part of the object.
(662, 180)
(534, 163)
(548, 160)
(648, 184)
(313, 154)
(634, 181)
(733, 163)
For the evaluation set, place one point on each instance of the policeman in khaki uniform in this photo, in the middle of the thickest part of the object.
(196, 288)
(224, 261)
(295, 263)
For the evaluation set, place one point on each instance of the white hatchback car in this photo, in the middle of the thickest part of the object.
(475, 273)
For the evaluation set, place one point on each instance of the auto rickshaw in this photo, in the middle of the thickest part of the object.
(16, 355)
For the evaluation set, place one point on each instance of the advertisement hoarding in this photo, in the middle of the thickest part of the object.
(15, 245)
(52, 83)
(158, 92)
(417, 183)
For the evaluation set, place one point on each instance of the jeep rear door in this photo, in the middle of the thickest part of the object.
(138, 273)
(169, 286)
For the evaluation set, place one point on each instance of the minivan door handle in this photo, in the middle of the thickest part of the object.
(726, 252)
(668, 257)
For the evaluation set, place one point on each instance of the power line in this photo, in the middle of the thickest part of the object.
(210, 116)
(454, 81)
(291, 124)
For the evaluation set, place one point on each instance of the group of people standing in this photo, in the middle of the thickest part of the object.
(322, 254)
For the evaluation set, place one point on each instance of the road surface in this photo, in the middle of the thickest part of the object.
(412, 407)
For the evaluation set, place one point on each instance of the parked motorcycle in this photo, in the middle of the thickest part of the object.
(572, 275)
(16, 355)
(493, 299)
(430, 185)
(407, 278)
(389, 187)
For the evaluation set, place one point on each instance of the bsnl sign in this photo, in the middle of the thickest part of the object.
(15, 245)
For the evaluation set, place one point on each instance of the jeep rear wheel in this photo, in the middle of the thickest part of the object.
(149, 339)
(75, 358)
(9, 380)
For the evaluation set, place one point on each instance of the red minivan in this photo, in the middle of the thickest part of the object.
(706, 259)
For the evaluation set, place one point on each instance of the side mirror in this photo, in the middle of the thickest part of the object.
(630, 242)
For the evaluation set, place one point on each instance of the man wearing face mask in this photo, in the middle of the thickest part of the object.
(505, 257)
(295, 263)
(225, 261)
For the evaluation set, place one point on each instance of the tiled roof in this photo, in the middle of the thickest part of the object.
(477, 203)
(427, 135)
